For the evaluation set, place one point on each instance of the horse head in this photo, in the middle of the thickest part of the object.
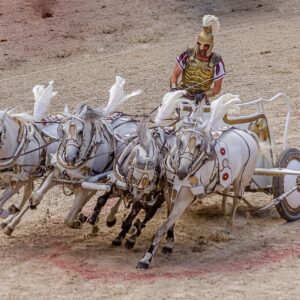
(192, 146)
(75, 132)
(145, 163)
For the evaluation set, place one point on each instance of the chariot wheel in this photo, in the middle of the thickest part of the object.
(289, 207)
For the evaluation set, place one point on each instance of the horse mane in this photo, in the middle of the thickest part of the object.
(23, 117)
(90, 114)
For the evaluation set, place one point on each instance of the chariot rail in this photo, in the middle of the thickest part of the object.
(276, 172)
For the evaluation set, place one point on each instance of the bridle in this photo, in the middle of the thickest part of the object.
(191, 151)
(143, 178)
(70, 139)
(172, 161)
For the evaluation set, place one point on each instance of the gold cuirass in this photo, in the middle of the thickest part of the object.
(198, 75)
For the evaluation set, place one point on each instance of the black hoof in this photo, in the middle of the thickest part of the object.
(32, 206)
(13, 209)
(111, 223)
(142, 265)
(82, 218)
(3, 225)
(116, 243)
(166, 250)
(8, 231)
(129, 244)
(92, 221)
(77, 224)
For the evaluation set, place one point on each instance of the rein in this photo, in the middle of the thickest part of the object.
(27, 152)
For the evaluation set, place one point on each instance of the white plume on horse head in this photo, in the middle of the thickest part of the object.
(168, 105)
(43, 97)
(219, 108)
(117, 96)
(144, 135)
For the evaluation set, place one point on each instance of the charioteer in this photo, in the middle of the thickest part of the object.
(201, 69)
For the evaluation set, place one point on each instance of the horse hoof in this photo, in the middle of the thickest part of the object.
(141, 265)
(82, 218)
(166, 250)
(32, 206)
(3, 225)
(129, 244)
(116, 243)
(77, 224)
(13, 209)
(111, 223)
(91, 220)
(8, 230)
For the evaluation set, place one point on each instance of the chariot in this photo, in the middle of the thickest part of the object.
(277, 170)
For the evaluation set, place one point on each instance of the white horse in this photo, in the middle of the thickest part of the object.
(201, 164)
(89, 141)
(137, 178)
(25, 149)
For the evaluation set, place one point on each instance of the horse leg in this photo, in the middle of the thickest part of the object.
(236, 202)
(139, 225)
(127, 223)
(8, 230)
(80, 200)
(93, 218)
(224, 203)
(168, 248)
(7, 194)
(111, 218)
(34, 199)
(183, 200)
(37, 196)
(28, 189)
(13, 210)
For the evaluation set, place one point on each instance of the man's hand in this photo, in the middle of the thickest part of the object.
(199, 97)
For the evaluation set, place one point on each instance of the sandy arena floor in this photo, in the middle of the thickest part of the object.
(82, 46)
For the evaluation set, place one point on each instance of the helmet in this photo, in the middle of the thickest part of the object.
(205, 37)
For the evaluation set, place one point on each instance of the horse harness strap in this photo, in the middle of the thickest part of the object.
(11, 164)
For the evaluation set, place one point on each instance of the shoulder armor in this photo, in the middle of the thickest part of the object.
(191, 53)
(215, 59)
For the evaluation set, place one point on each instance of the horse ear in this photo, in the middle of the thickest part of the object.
(83, 112)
